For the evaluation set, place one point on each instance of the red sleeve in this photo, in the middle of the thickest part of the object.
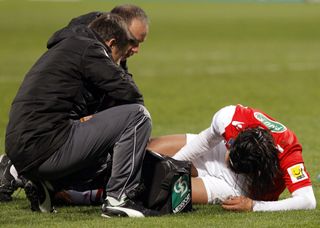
(294, 172)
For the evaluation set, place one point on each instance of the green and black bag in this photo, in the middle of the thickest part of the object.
(168, 184)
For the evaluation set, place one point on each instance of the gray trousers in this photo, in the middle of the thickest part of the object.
(121, 133)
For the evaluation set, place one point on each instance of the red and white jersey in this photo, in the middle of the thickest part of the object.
(231, 120)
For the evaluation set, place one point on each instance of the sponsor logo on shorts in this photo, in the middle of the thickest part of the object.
(297, 173)
(273, 126)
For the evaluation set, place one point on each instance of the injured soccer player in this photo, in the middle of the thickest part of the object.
(243, 162)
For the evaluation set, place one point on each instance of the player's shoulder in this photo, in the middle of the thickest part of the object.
(222, 119)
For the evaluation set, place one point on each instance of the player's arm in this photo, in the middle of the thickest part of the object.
(208, 138)
(297, 181)
(197, 147)
(301, 199)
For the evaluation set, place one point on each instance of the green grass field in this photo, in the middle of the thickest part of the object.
(199, 57)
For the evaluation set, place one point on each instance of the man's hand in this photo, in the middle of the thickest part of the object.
(238, 203)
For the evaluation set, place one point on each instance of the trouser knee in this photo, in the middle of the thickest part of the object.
(142, 115)
(141, 109)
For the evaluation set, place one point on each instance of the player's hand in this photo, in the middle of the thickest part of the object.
(238, 203)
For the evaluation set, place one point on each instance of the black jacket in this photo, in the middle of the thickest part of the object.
(54, 92)
(96, 100)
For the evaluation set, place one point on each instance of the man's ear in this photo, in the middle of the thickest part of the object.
(111, 42)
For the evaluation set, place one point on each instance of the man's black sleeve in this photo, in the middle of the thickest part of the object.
(101, 71)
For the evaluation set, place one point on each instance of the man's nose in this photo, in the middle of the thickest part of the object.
(135, 49)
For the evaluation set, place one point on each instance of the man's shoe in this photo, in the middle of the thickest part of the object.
(7, 181)
(125, 208)
(39, 196)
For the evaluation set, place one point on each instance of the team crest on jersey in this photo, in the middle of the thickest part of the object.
(273, 126)
(297, 173)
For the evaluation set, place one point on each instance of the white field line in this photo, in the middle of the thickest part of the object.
(54, 0)
(215, 70)
(271, 67)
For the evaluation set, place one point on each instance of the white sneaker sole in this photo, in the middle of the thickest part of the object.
(129, 212)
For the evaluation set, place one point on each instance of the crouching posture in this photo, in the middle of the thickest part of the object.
(243, 161)
(54, 142)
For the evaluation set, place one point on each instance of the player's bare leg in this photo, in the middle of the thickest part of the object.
(199, 192)
(167, 145)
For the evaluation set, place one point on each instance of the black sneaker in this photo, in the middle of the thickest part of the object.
(125, 208)
(39, 196)
(7, 181)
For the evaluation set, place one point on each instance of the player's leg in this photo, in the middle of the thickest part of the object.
(211, 190)
(74, 197)
(167, 145)
(215, 181)
(199, 192)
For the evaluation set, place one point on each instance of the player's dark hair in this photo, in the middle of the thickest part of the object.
(110, 26)
(129, 12)
(254, 154)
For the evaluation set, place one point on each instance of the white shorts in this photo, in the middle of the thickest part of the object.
(220, 182)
